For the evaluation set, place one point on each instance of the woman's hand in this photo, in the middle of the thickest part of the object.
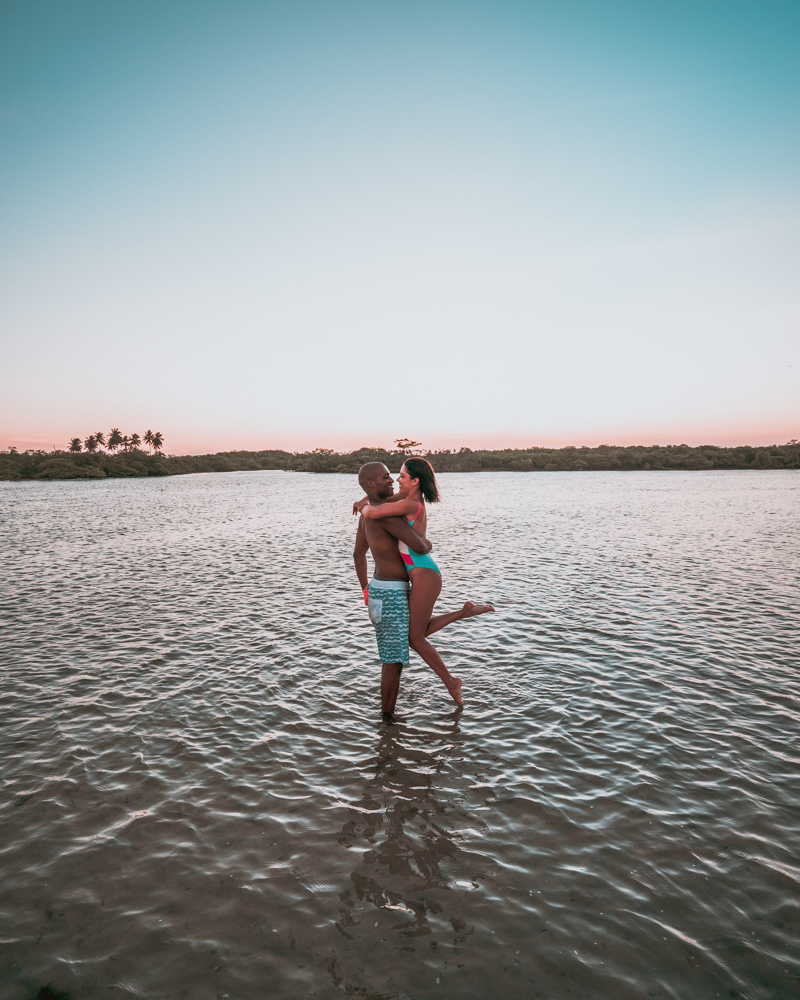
(359, 504)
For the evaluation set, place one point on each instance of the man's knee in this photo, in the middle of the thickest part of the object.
(397, 666)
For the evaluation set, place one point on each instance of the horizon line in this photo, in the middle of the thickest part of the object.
(421, 450)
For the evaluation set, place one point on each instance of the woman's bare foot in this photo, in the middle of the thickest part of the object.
(455, 691)
(470, 609)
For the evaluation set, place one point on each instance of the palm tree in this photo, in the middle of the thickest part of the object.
(126, 444)
(148, 438)
(90, 444)
(135, 441)
(114, 439)
(100, 438)
(158, 441)
(75, 444)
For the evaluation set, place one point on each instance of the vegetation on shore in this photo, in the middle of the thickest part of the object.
(94, 464)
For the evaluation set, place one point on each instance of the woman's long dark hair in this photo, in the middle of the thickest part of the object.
(421, 469)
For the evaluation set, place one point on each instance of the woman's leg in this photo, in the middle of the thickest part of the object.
(426, 585)
(469, 610)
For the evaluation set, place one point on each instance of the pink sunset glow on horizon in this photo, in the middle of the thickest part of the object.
(199, 444)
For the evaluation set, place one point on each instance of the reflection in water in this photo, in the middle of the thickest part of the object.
(396, 828)
(405, 849)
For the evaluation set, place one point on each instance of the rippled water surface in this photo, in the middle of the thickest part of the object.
(200, 798)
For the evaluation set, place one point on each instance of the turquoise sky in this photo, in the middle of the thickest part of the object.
(253, 224)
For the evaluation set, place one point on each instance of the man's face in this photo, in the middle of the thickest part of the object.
(384, 484)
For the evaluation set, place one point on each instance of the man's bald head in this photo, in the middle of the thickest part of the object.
(371, 472)
(376, 480)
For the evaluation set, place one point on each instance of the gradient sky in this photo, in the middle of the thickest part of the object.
(299, 224)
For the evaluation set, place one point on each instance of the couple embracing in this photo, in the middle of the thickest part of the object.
(406, 580)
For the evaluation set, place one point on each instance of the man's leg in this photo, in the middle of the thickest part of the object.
(468, 611)
(390, 685)
(388, 610)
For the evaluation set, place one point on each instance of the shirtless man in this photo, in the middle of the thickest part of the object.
(386, 594)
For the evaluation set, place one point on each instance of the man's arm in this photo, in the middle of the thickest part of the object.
(403, 532)
(360, 555)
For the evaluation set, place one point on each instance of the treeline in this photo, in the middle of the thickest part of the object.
(99, 465)
(81, 465)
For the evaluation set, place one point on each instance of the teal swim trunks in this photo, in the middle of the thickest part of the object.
(388, 612)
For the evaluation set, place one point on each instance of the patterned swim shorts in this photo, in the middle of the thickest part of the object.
(388, 612)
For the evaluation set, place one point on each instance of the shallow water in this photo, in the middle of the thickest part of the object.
(200, 798)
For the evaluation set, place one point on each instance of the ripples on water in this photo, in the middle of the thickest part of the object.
(201, 800)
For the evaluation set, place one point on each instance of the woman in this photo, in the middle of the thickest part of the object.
(416, 485)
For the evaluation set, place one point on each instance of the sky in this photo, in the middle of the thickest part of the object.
(333, 224)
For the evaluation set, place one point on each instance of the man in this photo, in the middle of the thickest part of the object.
(387, 594)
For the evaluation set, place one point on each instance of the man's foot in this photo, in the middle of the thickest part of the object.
(455, 691)
(470, 609)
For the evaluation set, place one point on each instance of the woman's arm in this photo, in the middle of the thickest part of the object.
(392, 508)
(359, 504)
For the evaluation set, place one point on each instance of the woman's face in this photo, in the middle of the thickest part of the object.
(405, 484)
